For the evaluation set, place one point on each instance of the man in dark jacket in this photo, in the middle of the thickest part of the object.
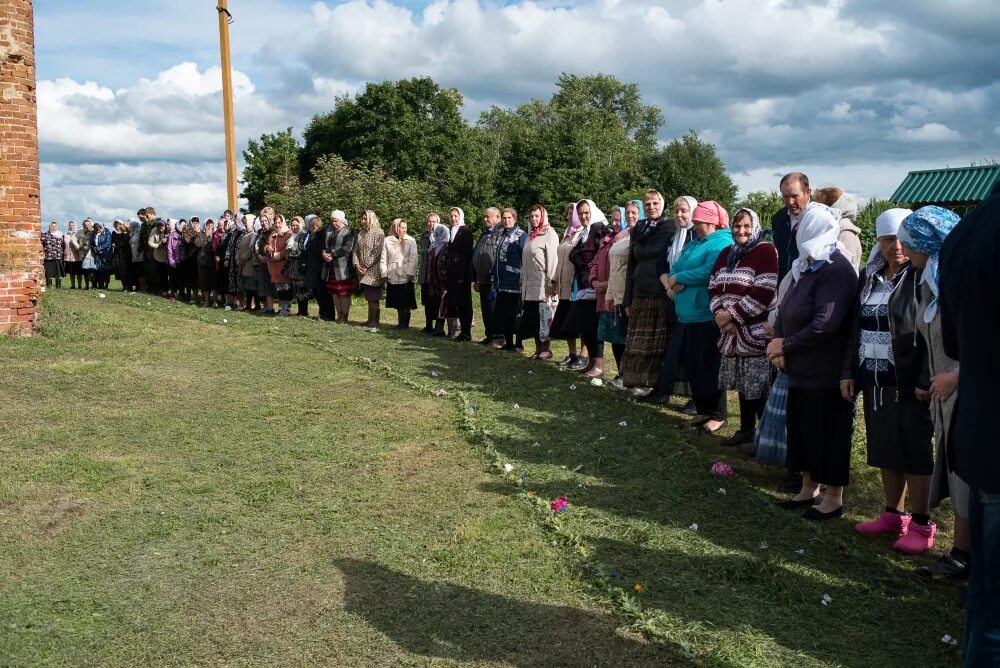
(796, 194)
(970, 320)
(458, 279)
(482, 268)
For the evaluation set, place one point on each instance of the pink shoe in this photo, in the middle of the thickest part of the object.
(918, 539)
(885, 523)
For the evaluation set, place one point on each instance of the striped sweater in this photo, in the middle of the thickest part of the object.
(748, 294)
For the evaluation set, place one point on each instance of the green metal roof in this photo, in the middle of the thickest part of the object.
(960, 185)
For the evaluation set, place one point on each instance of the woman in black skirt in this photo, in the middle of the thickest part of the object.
(565, 273)
(582, 318)
(399, 267)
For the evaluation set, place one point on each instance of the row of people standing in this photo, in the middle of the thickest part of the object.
(88, 256)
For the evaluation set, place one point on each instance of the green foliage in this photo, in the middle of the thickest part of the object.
(690, 166)
(866, 220)
(272, 166)
(335, 184)
(765, 203)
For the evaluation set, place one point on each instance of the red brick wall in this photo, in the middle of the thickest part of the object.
(21, 260)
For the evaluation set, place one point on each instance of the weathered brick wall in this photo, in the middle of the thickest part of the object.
(21, 260)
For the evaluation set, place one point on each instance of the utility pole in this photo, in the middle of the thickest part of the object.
(227, 103)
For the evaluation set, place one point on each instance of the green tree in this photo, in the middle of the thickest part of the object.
(866, 220)
(765, 203)
(271, 167)
(690, 166)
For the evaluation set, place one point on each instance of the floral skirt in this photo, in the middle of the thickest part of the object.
(750, 376)
(648, 334)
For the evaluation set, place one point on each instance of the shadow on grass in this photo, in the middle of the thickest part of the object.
(437, 619)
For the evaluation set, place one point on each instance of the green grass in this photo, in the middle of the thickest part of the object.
(179, 490)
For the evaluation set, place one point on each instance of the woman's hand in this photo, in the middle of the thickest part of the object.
(678, 288)
(922, 395)
(847, 390)
(599, 285)
(362, 270)
(943, 385)
(722, 318)
(327, 256)
(774, 349)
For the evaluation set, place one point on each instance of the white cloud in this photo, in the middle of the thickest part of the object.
(928, 132)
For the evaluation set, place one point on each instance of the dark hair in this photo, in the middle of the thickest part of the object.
(795, 176)
(195, 219)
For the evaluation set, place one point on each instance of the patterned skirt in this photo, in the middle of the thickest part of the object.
(750, 376)
(341, 288)
(648, 334)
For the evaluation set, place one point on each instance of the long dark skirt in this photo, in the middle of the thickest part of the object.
(400, 296)
(558, 329)
(820, 425)
(898, 432)
(206, 277)
(54, 269)
(505, 310)
(648, 334)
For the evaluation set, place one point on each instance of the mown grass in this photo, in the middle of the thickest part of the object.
(182, 490)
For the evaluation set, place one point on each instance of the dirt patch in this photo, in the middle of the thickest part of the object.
(410, 459)
(43, 515)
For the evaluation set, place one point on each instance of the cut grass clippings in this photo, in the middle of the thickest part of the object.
(183, 490)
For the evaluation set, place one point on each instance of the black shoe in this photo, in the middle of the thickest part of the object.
(815, 514)
(569, 359)
(508, 347)
(462, 338)
(689, 408)
(739, 438)
(489, 340)
(659, 399)
(579, 365)
(427, 330)
(946, 567)
(793, 504)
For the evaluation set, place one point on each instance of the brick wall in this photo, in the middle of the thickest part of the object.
(21, 260)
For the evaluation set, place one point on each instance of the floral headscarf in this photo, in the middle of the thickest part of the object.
(924, 231)
(738, 251)
(440, 237)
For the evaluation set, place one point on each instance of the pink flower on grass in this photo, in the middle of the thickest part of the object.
(559, 504)
(721, 468)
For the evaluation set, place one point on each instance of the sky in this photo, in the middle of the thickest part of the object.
(856, 93)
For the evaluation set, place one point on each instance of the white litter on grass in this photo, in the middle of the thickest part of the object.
(801, 552)
(948, 640)
(597, 382)
(623, 423)
(722, 491)
(826, 600)
(694, 526)
(572, 387)
(102, 296)
(434, 374)
(374, 330)
(516, 406)
(508, 468)
(225, 322)
(440, 393)
(530, 371)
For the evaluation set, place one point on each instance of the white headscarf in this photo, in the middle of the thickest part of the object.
(461, 220)
(887, 225)
(816, 236)
(596, 216)
(682, 233)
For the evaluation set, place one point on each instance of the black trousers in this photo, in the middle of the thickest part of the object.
(505, 312)
(489, 310)
(751, 410)
(431, 305)
(324, 300)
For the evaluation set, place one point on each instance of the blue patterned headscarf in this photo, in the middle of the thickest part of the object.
(924, 231)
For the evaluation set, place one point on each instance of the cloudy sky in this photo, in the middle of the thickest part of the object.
(854, 92)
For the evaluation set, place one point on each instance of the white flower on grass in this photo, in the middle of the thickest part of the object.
(102, 296)
(801, 552)
(623, 423)
(572, 387)
(508, 468)
(694, 526)
(434, 374)
(225, 322)
(440, 392)
(722, 491)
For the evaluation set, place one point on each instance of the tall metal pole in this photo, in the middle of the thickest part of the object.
(227, 103)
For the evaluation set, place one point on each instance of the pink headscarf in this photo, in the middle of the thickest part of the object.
(712, 213)
(574, 225)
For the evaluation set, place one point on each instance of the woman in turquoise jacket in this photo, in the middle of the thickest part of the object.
(696, 328)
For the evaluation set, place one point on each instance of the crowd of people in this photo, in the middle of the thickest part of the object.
(692, 301)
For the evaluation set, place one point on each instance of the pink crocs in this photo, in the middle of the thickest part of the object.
(885, 523)
(918, 538)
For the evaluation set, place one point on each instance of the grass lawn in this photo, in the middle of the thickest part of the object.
(185, 486)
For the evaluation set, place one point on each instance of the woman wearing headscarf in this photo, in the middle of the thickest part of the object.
(245, 264)
(234, 282)
(564, 289)
(122, 252)
(398, 265)
(670, 379)
(101, 251)
(277, 257)
(505, 279)
(581, 321)
(368, 263)
(173, 245)
(156, 250)
(136, 274)
(295, 266)
(922, 234)
(314, 266)
(54, 249)
(742, 293)
(220, 241)
(338, 272)
(206, 264)
(696, 333)
(459, 281)
(437, 275)
(83, 242)
(608, 278)
(810, 333)
(539, 269)
(645, 298)
(887, 363)
(189, 260)
(263, 277)
(72, 256)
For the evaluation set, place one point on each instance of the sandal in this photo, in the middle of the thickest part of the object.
(545, 356)
(705, 430)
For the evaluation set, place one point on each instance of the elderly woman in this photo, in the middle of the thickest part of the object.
(261, 275)
(368, 247)
(564, 288)
(206, 264)
(437, 274)
(277, 257)
(582, 318)
(174, 256)
(295, 266)
(886, 361)
(339, 271)
(72, 255)
(607, 276)
(189, 259)
(315, 247)
(234, 279)
(54, 248)
(697, 333)
(399, 267)
(742, 293)
(122, 251)
(922, 234)
(505, 280)
(644, 300)
(245, 264)
(539, 271)
(810, 333)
